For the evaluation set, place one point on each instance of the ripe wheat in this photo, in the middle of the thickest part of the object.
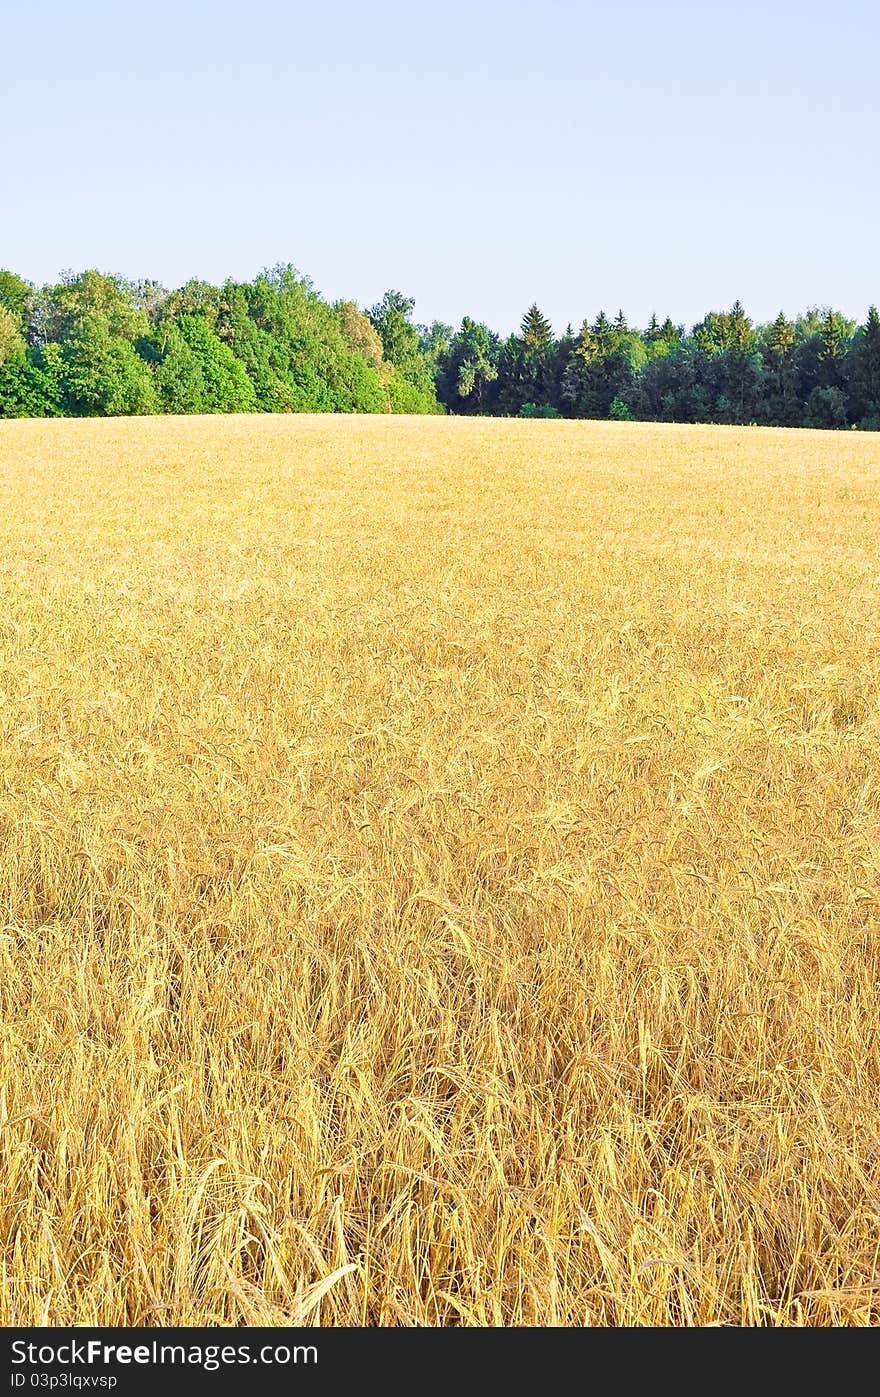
(439, 873)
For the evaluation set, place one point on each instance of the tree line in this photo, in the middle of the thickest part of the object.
(95, 345)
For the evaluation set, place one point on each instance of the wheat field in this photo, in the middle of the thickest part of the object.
(439, 873)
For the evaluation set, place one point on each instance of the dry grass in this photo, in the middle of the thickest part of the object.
(440, 871)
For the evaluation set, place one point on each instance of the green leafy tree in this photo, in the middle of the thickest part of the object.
(227, 387)
(195, 371)
(435, 340)
(94, 298)
(17, 299)
(362, 337)
(294, 348)
(402, 346)
(826, 407)
(11, 338)
(193, 298)
(392, 320)
(104, 375)
(150, 297)
(99, 344)
(32, 384)
(179, 379)
(265, 355)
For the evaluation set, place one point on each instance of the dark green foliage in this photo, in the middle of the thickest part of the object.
(527, 364)
(864, 372)
(178, 373)
(780, 389)
(826, 407)
(96, 344)
(603, 367)
(835, 335)
(32, 384)
(467, 369)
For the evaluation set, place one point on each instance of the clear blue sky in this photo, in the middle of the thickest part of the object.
(476, 154)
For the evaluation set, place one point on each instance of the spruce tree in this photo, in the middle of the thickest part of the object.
(866, 375)
(533, 361)
(536, 336)
(782, 401)
(602, 332)
(834, 340)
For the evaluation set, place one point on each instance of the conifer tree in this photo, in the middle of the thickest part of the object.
(530, 360)
(781, 398)
(866, 371)
(536, 335)
(835, 335)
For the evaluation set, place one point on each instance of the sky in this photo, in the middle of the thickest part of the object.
(477, 155)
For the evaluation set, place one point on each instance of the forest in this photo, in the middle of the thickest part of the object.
(97, 345)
